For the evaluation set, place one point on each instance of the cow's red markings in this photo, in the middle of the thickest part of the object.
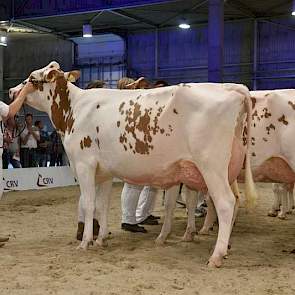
(268, 128)
(283, 120)
(292, 105)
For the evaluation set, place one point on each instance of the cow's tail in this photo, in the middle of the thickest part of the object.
(250, 190)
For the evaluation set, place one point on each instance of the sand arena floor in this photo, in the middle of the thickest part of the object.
(41, 256)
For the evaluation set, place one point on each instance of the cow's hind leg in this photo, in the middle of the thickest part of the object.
(102, 205)
(273, 212)
(86, 178)
(170, 201)
(191, 202)
(210, 218)
(224, 202)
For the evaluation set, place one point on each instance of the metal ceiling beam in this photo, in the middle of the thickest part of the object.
(40, 28)
(197, 5)
(130, 16)
(278, 5)
(96, 17)
(243, 8)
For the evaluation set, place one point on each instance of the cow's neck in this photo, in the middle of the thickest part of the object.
(63, 96)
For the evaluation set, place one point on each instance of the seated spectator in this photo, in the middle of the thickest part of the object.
(29, 139)
(56, 150)
(161, 83)
(95, 84)
(42, 145)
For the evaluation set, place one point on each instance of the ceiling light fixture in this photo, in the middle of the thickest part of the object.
(87, 31)
(184, 24)
(293, 8)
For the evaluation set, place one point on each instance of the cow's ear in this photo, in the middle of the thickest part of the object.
(72, 76)
(51, 75)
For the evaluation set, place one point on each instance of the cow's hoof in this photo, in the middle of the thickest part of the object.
(289, 212)
(214, 262)
(204, 232)
(160, 241)
(188, 236)
(272, 214)
(83, 245)
(101, 242)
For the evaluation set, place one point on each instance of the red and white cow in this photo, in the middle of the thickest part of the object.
(189, 133)
(272, 143)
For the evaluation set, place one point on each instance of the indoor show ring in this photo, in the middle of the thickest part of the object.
(41, 255)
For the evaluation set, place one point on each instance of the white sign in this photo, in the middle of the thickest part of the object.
(37, 178)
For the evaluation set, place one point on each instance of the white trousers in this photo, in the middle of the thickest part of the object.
(137, 203)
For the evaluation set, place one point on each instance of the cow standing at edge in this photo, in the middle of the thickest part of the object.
(190, 133)
(272, 145)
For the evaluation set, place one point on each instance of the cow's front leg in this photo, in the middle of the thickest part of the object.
(170, 201)
(102, 205)
(86, 177)
(284, 200)
(191, 202)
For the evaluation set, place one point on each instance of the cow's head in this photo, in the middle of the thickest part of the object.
(44, 81)
(52, 93)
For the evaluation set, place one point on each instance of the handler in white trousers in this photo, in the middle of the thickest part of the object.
(9, 111)
(137, 206)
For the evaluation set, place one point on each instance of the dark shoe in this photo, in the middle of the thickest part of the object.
(149, 221)
(80, 230)
(3, 240)
(154, 217)
(95, 229)
(134, 228)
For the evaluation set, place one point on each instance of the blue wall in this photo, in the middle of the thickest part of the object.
(183, 57)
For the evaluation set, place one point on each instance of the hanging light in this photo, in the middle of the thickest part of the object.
(293, 8)
(3, 38)
(184, 25)
(87, 31)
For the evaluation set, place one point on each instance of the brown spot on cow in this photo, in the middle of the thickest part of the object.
(268, 128)
(62, 114)
(245, 132)
(87, 141)
(97, 142)
(175, 111)
(253, 154)
(253, 99)
(253, 140)
(121, 107)
(292, 105)
(97, 129)
(283, 120)
(131, 102)
(118, 124)
(267, 114)
(50, 92)
(255, 114)
(48, 97)
(81, 144)
(140, 126)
